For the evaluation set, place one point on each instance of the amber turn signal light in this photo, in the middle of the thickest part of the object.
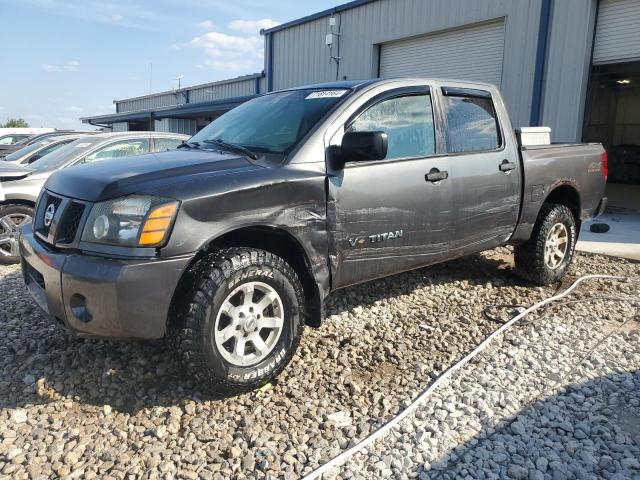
(157, 225)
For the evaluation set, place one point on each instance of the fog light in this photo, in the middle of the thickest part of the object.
(78, 304)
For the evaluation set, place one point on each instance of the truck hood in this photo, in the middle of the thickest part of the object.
(12, 171)
(145, 173)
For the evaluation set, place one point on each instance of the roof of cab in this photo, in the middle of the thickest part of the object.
(357, 84)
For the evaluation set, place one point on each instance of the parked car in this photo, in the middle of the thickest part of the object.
(31, 139)
(19, 192)
(37, 150)
(231, 244)
(24, 130)
(13, 139)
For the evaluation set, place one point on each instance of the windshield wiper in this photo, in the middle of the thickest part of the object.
(233, 147)
(189, 145)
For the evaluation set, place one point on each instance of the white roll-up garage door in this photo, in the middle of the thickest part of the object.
(472, 53)
(617, 32)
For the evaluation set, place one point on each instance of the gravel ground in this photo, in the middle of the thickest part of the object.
(87, 408)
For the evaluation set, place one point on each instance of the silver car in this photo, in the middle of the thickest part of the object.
(37, 150)
(20, 186)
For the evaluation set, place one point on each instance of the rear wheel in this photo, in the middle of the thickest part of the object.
(546, 256)
(12, 217)
(239, 320)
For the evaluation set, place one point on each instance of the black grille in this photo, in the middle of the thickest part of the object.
(46, 200)
(63, 229)
(68, 226)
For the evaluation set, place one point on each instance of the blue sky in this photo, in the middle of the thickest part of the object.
(63, 59)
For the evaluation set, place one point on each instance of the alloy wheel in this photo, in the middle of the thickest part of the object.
(9, 230)
(249, 324)
(555, 247)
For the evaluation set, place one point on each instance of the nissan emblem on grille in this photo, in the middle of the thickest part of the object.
(48, 214)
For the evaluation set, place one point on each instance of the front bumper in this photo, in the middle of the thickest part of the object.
(98, 296)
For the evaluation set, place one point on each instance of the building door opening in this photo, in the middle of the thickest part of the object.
(612, 116)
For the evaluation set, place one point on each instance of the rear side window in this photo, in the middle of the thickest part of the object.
(407, 121)
(471, 124)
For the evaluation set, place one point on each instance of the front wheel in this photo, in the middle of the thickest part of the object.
(546, 256)
(11, 218)
(239, 319)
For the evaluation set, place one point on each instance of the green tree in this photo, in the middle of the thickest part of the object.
(15, 123)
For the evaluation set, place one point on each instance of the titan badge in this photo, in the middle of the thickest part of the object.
(376, 238)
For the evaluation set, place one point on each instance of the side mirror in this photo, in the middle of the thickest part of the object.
(362, 146)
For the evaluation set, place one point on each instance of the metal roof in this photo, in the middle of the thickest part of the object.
(314, 16)
(193, 87)
(179, 111)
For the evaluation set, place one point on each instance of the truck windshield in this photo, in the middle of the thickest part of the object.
(273, 123)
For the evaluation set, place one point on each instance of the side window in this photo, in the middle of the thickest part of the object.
(407, 121)
(471, 124)
(164, 144)
(124, 148)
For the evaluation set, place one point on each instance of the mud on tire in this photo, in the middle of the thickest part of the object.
(530, 260)
(211, 300)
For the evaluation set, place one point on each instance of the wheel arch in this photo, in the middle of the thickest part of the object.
(565, 194)
(17, 201)
(280, 242)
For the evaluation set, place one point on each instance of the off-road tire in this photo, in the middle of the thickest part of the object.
(529, 257)
(201, 294)
(10, 210)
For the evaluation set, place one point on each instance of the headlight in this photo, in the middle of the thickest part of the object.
(135, 221)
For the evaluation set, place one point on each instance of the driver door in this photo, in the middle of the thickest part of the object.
(386, 216)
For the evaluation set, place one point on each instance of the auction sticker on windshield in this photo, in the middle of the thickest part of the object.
(325, 94)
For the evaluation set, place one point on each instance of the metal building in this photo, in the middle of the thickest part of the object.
(183, 110)
(571, 64)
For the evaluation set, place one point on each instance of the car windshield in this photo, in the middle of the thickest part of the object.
(18, 154)
(273, 123)
(62, 155)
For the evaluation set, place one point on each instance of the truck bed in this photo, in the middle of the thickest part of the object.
(576, 166)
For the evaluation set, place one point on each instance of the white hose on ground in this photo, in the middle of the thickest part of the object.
(340, 459)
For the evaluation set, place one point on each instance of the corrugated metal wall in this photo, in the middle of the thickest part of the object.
(223, 90)
(120, 127)
(176, 125)
(300, 55)
(567, 68)
(235, 87)
(618, 32)
(149, 102)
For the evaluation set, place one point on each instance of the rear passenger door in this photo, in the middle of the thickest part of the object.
(484, 171)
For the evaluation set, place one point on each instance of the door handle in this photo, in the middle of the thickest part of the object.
(436, 175)
(507, 166)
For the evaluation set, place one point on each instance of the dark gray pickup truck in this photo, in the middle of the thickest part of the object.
(231, 244)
